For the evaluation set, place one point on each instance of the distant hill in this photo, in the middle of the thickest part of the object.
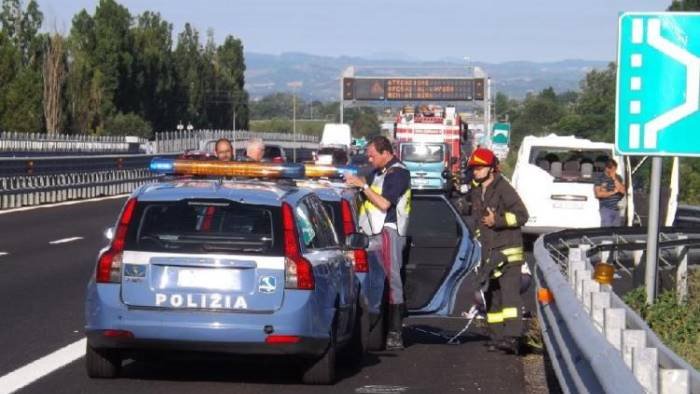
(319, 75)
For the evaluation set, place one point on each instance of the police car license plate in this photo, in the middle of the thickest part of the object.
(420, 181)
(215, 279)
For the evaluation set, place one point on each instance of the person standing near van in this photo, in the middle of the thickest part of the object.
(610, 190)
(497, 213)
(384, 216)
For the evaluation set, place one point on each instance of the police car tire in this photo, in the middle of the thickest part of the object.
(102, 363)
(355, 352)
(322, 370)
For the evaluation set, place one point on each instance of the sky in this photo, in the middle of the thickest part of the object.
(485, 31)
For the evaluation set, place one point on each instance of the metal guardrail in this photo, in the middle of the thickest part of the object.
(687, 215)
(583, 360)
(72, 164)
(595, 341)
(23, 191)
(41, 143)
(179, 141)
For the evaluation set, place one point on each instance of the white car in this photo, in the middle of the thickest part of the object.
(555, 177)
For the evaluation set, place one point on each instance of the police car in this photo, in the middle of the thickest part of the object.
(441, 250)
(236, 266)
(342, 204)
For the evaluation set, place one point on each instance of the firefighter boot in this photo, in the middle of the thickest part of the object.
(394, 338)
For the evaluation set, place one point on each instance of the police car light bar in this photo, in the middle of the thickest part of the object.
(324, 171)
(231, 168)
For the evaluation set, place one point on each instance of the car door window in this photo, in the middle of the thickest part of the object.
(315, 228)
(307, 231)
(325, 223)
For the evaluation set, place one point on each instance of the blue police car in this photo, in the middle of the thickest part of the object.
(242, 267)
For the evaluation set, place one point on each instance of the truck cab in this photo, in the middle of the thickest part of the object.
(428, 163)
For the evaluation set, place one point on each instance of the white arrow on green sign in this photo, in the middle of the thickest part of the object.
(501, 133)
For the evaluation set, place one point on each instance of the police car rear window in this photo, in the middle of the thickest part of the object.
(205, 227)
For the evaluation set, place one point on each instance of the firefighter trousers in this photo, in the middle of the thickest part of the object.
(504, 303)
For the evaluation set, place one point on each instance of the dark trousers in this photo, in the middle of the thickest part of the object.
(504, 304)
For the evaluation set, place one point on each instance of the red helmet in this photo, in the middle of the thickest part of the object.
(482, 157)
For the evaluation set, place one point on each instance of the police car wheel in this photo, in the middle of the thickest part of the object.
(322, 370)
(355, 352)
(102, 363)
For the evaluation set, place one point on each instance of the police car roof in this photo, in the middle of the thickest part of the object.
(254, 192)
(327, 191)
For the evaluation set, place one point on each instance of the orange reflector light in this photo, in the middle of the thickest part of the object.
(227, 168)
(279, 339)
(603, 273)
(323, 171)
(544, 296)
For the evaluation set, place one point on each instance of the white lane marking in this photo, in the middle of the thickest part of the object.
(3, 254)
(64, 240)
(37, 369)
(59, 204)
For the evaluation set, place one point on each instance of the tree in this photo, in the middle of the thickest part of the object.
(537, 115)
(154, 78)
(54, 72)
(363, 122)
(127, 124)
(20, 46)
(112, 58)
(231, 66)
(685, 5)
(189, 66)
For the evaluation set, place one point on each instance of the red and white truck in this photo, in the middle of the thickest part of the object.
(430, 128)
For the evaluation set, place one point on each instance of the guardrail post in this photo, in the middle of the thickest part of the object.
(600, 302)
(646, 368)
(590, 287)
(632, 341)
(613, 324)
(674, 381)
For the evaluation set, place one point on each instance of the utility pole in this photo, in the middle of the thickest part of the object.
(294, 85)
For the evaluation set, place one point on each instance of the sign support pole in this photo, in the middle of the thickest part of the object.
(653, 230)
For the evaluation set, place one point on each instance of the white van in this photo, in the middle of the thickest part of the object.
(336, 135)
(555, 177)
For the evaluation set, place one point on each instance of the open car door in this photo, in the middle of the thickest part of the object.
(440, 254)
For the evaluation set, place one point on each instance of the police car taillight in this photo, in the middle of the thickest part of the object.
(109, 264)
(357, 256)
(298, 270)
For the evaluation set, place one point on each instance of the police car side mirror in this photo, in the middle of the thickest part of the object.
(357, 241)
(445, 174)
(109, 233)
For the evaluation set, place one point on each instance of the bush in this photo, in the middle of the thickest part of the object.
(127, 124)
(677, 324)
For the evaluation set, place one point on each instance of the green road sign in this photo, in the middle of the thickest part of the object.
(501, 133)
(658, 84)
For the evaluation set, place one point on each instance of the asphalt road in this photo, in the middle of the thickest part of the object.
(42, 288)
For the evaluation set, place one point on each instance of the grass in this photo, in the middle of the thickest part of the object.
(677, 324)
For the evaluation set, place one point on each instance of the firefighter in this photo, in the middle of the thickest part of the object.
(384, 216)
(497, 213)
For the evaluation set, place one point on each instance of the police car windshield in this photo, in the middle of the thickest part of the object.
(204, 227)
